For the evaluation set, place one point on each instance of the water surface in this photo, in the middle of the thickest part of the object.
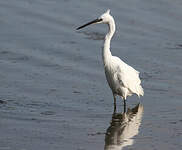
(53, 89)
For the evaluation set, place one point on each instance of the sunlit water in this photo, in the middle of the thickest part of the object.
(53, 92)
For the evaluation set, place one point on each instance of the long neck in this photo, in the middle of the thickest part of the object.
(106, 53)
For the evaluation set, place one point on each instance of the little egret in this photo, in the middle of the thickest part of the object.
(123, 79)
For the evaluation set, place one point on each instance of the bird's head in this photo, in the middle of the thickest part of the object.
(104, 18)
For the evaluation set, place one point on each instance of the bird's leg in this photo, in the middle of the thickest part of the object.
(124, 105)
(114, 96)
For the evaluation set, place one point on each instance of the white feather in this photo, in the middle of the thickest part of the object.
(122, 78)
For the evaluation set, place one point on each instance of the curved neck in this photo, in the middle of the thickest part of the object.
(106, 53)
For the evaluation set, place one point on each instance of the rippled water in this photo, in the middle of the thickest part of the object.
(53, 89)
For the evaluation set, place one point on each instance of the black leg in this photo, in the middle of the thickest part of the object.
(114, 103)
(124, 105)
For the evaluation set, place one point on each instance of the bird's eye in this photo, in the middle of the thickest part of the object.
(100, 19)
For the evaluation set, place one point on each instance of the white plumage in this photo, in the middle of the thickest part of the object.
(123, 79)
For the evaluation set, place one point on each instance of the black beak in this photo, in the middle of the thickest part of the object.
(92, 22)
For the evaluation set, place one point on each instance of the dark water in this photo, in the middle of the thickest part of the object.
(53, 92)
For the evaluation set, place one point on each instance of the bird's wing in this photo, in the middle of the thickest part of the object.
(129, 77)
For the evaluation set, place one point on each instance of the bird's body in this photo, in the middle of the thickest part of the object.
(122, 79)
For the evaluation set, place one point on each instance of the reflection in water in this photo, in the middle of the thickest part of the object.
(94, 35)
(123, 127)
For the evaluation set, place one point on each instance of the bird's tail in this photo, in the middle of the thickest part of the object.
(140, 91)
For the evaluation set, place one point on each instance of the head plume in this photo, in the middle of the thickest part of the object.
(108, 11)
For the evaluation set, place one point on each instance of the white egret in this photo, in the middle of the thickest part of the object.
(123, 79)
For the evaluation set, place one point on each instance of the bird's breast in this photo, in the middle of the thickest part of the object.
(111, 78)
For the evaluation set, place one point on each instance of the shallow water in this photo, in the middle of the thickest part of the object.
(53, 90)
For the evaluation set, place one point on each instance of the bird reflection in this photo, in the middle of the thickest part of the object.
(123, 127)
